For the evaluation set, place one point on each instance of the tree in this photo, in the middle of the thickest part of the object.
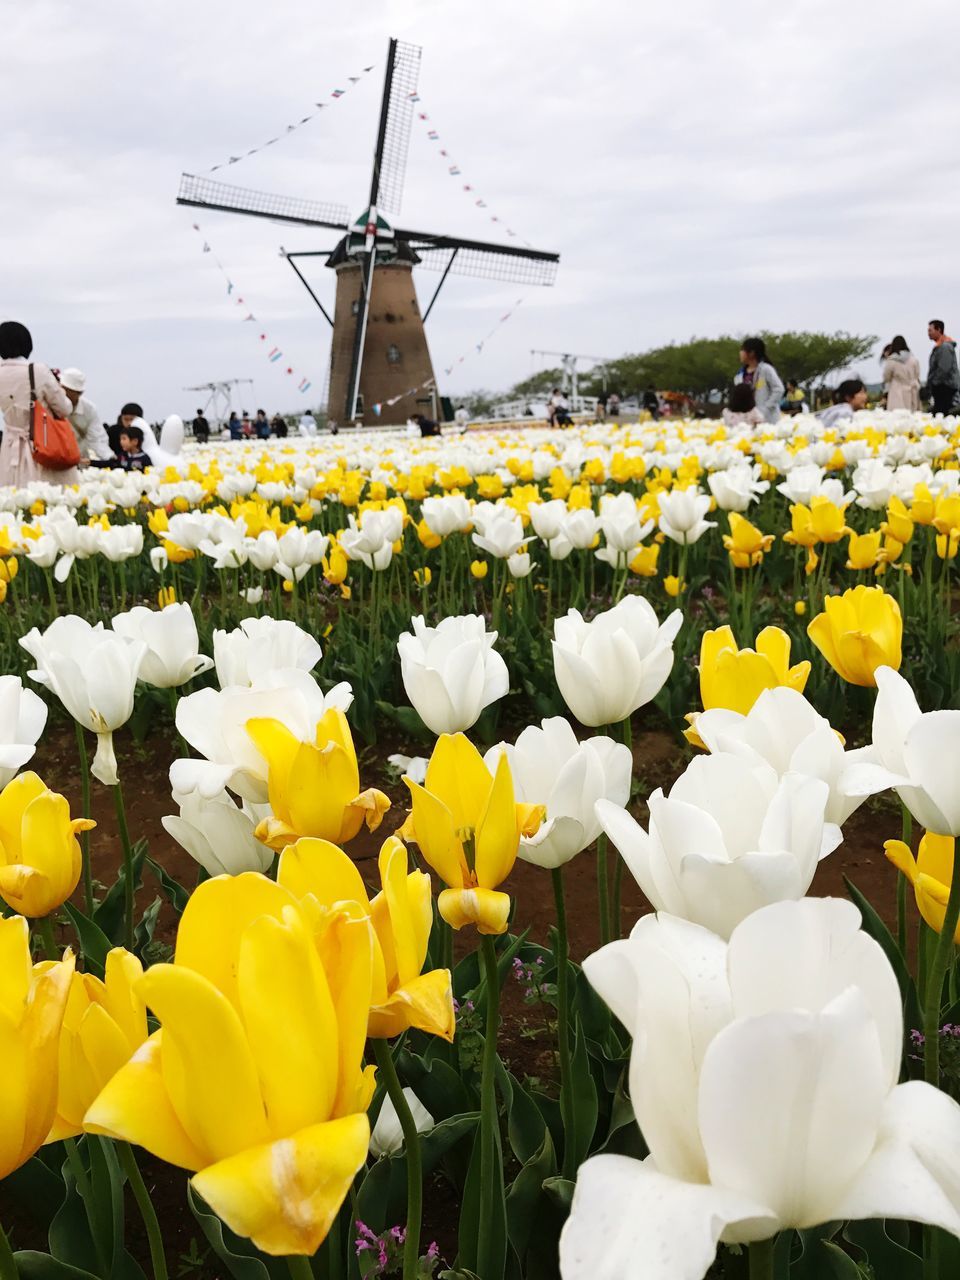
(479, 403)
(811, 357)
(538, 384)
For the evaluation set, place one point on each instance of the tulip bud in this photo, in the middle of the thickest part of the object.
(40, 858)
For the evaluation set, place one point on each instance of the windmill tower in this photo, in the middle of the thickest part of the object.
(379, 353)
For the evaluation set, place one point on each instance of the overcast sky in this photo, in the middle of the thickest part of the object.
(701, 167)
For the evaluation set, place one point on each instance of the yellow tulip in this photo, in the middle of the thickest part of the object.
(802, 533)
(32, 1001)
(103, 1025)
(177, 554)
(335, 564)
(644, 563)
(254, 1080)
(400, 917)
(39, 854)
(800, 607)
(923, 505)
(898, 524)
(828, 520)
(930, 873)
(422, 577)
(468, 827)
(314, 787)
(863, 550)
(479, 568)
(858, 632)
(946, 516)
(166, 595)
(745, 543)
(427, 537)
(673, 586)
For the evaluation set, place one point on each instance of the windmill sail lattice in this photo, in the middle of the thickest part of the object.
(392, 159)
(207, 193)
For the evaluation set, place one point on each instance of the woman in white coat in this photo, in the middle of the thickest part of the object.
(901, 374)
(17, 464)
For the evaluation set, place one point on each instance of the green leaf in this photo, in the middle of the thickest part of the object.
(94, 943)
(525, 1195)
(32, 1265)
(889, 1259)
(526, 1127)
(585, 1105)
(382, 1198)
(143, 933)
(175, 893)
(560, 1191)
(437, 1085)
(239, 1256)
(109, 914)
(874, 926)
(494, 1230)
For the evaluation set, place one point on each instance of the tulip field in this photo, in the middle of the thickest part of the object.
(518, 855)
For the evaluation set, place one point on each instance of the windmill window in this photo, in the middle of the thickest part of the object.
(393, 354)
(390, 317)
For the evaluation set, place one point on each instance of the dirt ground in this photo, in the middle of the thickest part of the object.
(526, 1040)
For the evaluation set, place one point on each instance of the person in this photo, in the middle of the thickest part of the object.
(85, 420)
(901, 375)
(125, 417)
(462, 417)
(757, 372)
(427, 425)
(742, 407)
(278, 425)
(651, 402)
(943, 376)
(308, 424)
(850, 396)
(262, 425)
(613, 405)
(794, 398)
(602, 406)
(18, 466)
(201, 428)
(233, 426)
(132, 456)
(552, 405)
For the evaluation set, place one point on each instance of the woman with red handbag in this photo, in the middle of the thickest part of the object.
(34, 408)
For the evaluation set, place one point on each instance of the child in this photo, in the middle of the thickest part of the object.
(742, 406)
(132, 457)
(851, 395)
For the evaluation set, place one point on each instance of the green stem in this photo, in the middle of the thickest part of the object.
(299, 1267)
(934, 993)
(561, 951)
(8, 1266)
(602, 891)
(906, 834)
(490, 1177)
(85, 835)
(44, 926)
(128, 1162)
(83, 1188)
(761, 1259)
(128, 885)
(411, 1143)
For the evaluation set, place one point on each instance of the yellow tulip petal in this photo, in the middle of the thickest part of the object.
(285, 1195)
(322, 869)
(935, 857)
(436, 836)
(14, 798)
(498, 835)
(290, 1022)
(932, 898)
(28, 891)
(135, 1106)
(457, 775)
(425, 1003)
(320, 785)
(49, 843)
(120, 997)
(40, 1030)
(902, 858)
(15, 968)
(347, 951)
(409, 909)
(208, 1068)
(17, 1069)
(213, 922)
(486, 908)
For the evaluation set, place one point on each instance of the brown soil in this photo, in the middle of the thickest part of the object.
(527, 1031)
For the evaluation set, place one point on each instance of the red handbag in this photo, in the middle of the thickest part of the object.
(53, 439)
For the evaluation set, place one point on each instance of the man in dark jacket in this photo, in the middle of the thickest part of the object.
(943, 377)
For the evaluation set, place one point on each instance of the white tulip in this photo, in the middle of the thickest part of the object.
(446, 515)
(783, 730)
(412, 767)
(917, 752)
(502, 536)
(218, 834)
(551, 768)
(260, 645)
(547, 518)
(731, 837)
(735, 488)
(451, 672)
(159, 559)
(298, 551)
(94, 673)
(42, 551)
(519, 565)
(681, 515)
(579, 529)
(253, 595)
(607, 668)
(23, 715)
(214, 723)
(173, 647)
(620, 522)
(120, 542)
(372, 539)
(387, 1135)
(764, 1079)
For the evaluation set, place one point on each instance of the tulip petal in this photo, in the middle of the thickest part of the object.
(486, 908)
(285, 1195)
(628, 1219)
(639, 851)
(457, 776)
(436, 836)
(405, 934)
(425, 1003)
(208, 1068)
(497, 836)
(322, 869)
(719, 894)
(17, 1070)
(913, 1171)
(930, 754)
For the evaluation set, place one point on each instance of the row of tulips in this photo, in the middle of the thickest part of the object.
(734, 1072)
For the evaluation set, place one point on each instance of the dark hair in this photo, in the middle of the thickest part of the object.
(133, 433)
(15, 340)
(263, 411)
(133, 409)
(937, 324)
(754, 347)
(792, 382)
(897, 345)
(847, 390)
(741, 398)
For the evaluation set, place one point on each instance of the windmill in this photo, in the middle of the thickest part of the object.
(379, 353)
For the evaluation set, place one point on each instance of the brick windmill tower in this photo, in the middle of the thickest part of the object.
(379, 354)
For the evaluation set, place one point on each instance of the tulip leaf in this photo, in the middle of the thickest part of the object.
(94, 943)
(526, 1127)
(493, 1229)
(524, 1210)
(436, 1084)
(585, 1106)
(176, 894)
(32, 1265)
(820, 1258)
(888, 1256)
(241, 1259)
(560, 1191)
(381, 1201)
(109, 914)
(407, 719)
(874, 926)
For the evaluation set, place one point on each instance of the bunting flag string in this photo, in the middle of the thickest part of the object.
(454, 171)
(335, 96)
(274, 353)
(478, 347)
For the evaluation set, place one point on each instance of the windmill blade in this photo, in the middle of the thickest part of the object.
(369, 263)
(481, 259)
(206, 193)
(396, 117)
